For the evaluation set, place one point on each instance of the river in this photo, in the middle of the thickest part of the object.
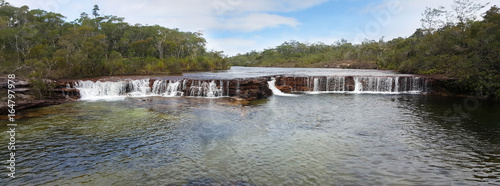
(305, 139)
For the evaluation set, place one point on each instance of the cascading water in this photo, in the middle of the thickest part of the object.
(227, 94)
(101, 90)
(90, 90)
(358, 87)
(316, 85)
(358, 84)
(138, 88)
(335, 84)
(276, 91)
(390, 85)
(166, 88)
(375, 84)
(206, 89)
(237, 87)
(184, 84)
(173, 89)
(107, 90)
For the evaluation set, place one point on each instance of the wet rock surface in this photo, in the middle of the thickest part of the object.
(236, 89)
(250, 89)
(25, 99)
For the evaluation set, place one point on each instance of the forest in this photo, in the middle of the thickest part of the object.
(451, 44)
(38, 44)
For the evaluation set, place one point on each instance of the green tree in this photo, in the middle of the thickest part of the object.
(432, 19)
(95, 11)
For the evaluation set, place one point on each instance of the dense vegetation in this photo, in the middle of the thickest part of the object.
(468, 51)
(459, 47)
(40, 44)
(296, 54)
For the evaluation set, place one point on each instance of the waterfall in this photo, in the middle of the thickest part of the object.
(308, 82)
(171, 88)
(184, 84)
(238, 87)
(328, 79)
(209, 89)
(108, 90)
(357, 84)
(358, 87)
(335, 84)
(159, 87)
(276, 91)
(398, 84)
(316, 87)
(138, 88)
(213, 91)
(101, 90)
(390, 85)
(227, 87)
(375, 84)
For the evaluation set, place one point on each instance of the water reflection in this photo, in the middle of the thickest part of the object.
(465, 141)
(307, 140)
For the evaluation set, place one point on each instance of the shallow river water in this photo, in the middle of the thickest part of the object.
(311, 139)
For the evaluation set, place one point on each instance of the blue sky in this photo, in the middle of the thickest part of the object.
(239, 26)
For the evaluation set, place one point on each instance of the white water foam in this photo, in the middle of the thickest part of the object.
(389, 85)
(138, 88)
(315, 86)
(119, 90)
(276, 91)
(207, 89)
(90, 90)
(101, 90)
(170, 88)
(368, 85)
(364, 85)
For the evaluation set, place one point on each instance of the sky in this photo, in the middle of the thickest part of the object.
(238, 26)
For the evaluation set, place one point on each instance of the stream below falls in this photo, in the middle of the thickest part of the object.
(329, 138)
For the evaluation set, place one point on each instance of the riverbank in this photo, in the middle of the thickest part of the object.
(238, 84)
(25, 98)
(344, 64)
(308, 139)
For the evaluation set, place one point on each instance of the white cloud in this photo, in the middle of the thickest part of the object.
(220, 15)
(192, 15)
(232, 46)
(256, 22)
(241, 6)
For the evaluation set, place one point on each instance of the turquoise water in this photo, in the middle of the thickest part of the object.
(319, 139)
